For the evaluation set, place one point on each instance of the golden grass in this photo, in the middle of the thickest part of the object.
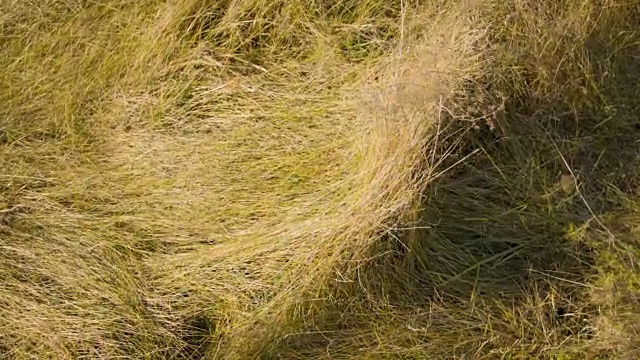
(310, 179)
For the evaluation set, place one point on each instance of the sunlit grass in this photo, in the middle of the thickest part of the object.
(317, 179)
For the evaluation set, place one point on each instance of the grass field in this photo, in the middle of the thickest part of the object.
(314, 179)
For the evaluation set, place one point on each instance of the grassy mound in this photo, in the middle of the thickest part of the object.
(317, 179)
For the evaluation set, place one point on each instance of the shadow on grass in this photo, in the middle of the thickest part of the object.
(504, 260)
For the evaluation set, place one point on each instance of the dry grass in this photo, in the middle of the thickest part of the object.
(316, 179)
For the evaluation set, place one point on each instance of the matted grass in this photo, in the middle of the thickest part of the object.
(311, 179)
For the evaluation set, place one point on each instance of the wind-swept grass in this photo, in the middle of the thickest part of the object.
(317, 179)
